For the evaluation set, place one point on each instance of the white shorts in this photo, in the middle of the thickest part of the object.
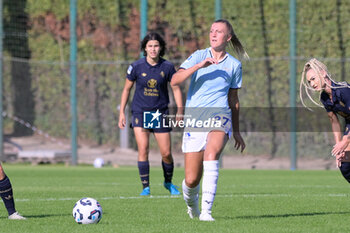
(195, 141)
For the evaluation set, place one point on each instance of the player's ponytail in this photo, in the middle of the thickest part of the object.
(235, 43)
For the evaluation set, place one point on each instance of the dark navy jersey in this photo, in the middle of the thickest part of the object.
(151, 91)
(340, 103)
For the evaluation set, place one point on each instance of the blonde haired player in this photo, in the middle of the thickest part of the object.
(335, 98)
(215, 77)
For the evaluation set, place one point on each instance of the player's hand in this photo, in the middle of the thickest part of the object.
(340, 147)
(339, 158)
(179, 115)
(239, 142)
(122, 121)
(207, 62)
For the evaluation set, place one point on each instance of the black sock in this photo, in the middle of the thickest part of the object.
(7, 195)
(168, 169)
(144, 172)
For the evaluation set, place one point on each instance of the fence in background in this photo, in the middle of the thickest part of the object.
(36, 61)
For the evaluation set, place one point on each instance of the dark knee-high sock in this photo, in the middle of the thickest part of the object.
(7, 195)
(144, 172)
(168, 170)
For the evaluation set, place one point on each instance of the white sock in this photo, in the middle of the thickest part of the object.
(209, 183)
(190, 195)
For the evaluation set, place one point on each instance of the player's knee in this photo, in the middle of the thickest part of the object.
(345, 170)
(166, 155)
(192, 181)
(211, 156)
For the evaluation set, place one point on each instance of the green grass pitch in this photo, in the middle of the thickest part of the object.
(246, 201)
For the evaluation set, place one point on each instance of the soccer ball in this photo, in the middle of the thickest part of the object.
(99, 162)
(87, 210)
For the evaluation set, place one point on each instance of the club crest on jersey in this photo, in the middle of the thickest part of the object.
(144, 74)
(136, 121)
(342, 104)
(152, 83)
(162, 74)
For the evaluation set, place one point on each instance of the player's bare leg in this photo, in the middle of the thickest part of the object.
(216, 142)
(2, 173)
(190, 185)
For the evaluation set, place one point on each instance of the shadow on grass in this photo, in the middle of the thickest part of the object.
(282, 215)
(41, 216)
(46, 216)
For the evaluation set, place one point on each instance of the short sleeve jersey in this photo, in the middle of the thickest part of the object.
(209, 86)
(151, 91)
(340, 104)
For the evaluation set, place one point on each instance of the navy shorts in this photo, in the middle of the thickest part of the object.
(137, 121)
(345, 170)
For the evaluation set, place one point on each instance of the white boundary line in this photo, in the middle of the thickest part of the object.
(180, 196)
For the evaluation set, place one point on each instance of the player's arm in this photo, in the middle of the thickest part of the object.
(341, 142)
(124, 100)
(182, 74)
(333, 118)
(344, 142)
(340, 145)
(178, 100)
(233, 102)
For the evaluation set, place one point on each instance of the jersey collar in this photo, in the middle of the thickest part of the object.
(223, 59)
(156, 65)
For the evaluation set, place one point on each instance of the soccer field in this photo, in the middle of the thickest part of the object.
(246, 201)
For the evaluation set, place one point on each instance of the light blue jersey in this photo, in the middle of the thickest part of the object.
(210, 85)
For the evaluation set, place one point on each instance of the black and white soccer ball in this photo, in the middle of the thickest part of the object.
(87, 210)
